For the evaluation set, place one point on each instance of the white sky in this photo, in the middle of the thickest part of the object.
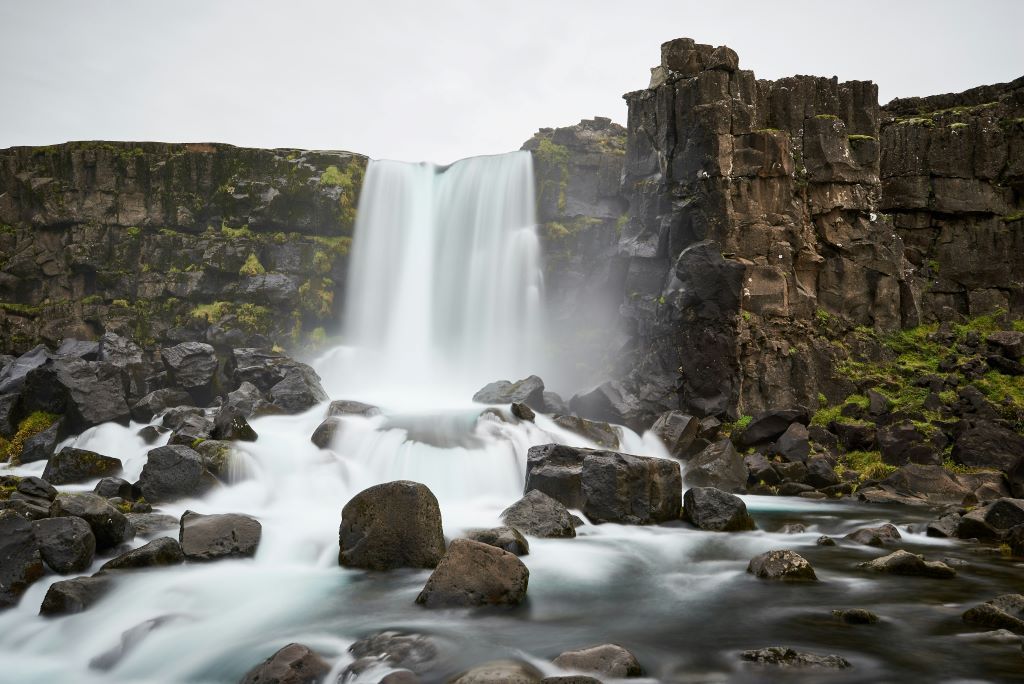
(441, 79)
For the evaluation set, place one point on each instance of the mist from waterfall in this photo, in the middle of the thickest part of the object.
(445, 285)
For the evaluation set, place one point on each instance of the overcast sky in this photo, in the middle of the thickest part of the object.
(441, 79)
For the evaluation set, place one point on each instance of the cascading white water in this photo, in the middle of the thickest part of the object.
(444, 293)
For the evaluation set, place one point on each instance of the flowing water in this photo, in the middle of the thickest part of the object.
(444, 297)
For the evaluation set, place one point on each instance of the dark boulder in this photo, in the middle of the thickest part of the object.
(71, 465)
(529, 391)
(86, 393)
(555, 405)
(348, 407)
(1014, 538)
(769, 425)
(111, 487)
(712, 509)
(855, 616)
(601, 434)
(248, 400)
(79, 349)
(505, 538)
(875, 536)
(633, 490)
(991, 521)
(109, 525)
(20, 561)
(158, 401)
(906, 563)
(218, 457)
(66, 544)
(150, 524)
(299, 390)
(782, 656)
(820, 473)
(539, 515)
(610, 660)
(794, 444)
(760, 471)
(157, 553)
(475, 574)
(928, 482)
(1002, 612)
(677, 431)
(391, 525)
(522, 411)
(787, 566)
(720, 466)
(74, 595)
(230, 424)
(1010, 343)
(118, 351)
(173, 472)
(214, 537)
(500, 672)
(192, 367)
(983, 444)
(40, 447)
(854, 436)
(191, 427)
(12, 376)
(904, 443)
(37, 487)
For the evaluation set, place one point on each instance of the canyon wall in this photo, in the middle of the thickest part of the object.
(168, 243)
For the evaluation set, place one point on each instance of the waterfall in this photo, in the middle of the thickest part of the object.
(445, 287)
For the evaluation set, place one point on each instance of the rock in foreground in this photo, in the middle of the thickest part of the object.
(391, 525)
(475, 574)
(712, 509)
(109, 525)
(213, 537)
(539, 515)
(788, 566)
(610, 660)
(501, 672)
(529, 391)
(1002, 612)
(71, 465)
(906, 563)
(20, 563)
(67, 544)
(293, 664)
(787, 657)
(505, 538)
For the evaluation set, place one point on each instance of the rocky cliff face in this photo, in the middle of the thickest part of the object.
(581, 213)
(758, 237)
(952, 170)
(173, 242)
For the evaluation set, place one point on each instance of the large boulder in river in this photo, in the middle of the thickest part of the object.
(230, 424)
(677, 431)
(782, 656)
(606, 485)
(20, 562)
(610, 660)
(718, 465)
(71, 465)
(293, 664)
(109, 525)
(610, 402)
(529, 391)
(475, 574)
(214, 537)
(539, 515)
(784, 565)
(74, 595)
(299, 390)
(1002, 612)
(40, 447)
(991, 521)
(192, 366)
(875, 536)
(86, 393)
(391, 525)
(501, 672)
(601, 434)
(157, 553)
(172, 472)
(66, 544)
(712, 509)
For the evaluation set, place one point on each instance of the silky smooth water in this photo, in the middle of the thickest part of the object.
(444, 297)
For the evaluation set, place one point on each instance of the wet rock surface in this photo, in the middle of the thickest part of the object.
(392, 525)
(712, 509)
(293, 664)
(539, 515)
(216, 536)
(475, 574)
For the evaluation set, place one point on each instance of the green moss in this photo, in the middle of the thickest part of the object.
(1016, 216)
(859, 138)
(316, 297)
(768, 131)
(212, 312)
(868, 463)
(235, 233)
(335, 178)
(827, 117)
(27, 310)
(29, 427)
(824, 317)
(133, 231)
(318, 337)
(123, 303)
(555, 231)
(743, 422)
(916, 121)
(252, 266)
(339, 245)
(958, 126)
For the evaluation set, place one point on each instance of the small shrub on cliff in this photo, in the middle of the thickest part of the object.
(252, 266)
(29, 427)
(332, 177)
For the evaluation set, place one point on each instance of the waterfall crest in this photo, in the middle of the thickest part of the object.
(445, 286)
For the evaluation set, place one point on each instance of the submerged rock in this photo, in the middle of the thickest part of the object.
(413, 652)
(712, 509)
(325, 432)
(785, 565)
(159, 552)
(1002, 612)
(529, 391)
(875, 536)
(475, 574)
(213, 537)
(505, 538)
(539, 515)
(500, 672)
(293, 664)
(856, 616)
(391, 525)
(906, 563)
(610, 660)
(787, 657)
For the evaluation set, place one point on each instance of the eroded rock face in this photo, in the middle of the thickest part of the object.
(293, 664)
(475, 574)
(392, 525)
